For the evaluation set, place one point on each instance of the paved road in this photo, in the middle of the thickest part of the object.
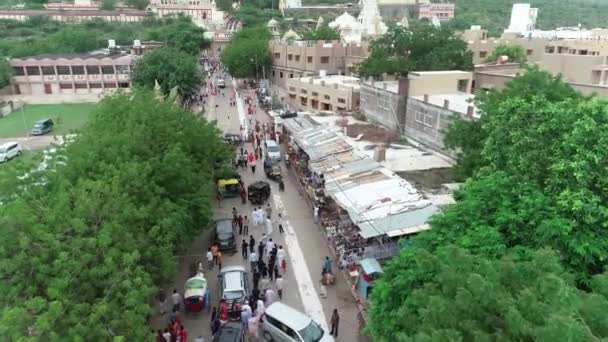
(304, 241)
(35, 142)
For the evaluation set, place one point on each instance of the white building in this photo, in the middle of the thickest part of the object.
(523, 19)
(285, 4)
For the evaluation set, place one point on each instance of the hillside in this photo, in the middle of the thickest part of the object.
(494, 15)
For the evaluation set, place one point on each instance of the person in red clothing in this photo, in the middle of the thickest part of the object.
(183, 334)
(223, 311)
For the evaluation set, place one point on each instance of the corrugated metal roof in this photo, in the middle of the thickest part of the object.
(376, 199)
(370, 266)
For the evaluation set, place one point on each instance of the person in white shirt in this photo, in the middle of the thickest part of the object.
(280, 256)
(247, 308)
(279, 283)
(253, 259)
(209, 259)
(176, 299)
(269, 248)
(268, 227)
(264, 284)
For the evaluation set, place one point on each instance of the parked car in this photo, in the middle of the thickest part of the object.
(221, 83)
(273, 152)
(224, 235)
(9, 151)
(234, 286)
(230, 332)
(283, 323)
(43, 126)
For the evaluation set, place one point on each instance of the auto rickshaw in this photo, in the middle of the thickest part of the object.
(196, 293)
(272, 169)
(229, 187)
(258, 192)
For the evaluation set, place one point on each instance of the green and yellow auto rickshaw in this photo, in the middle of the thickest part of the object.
(229, 187)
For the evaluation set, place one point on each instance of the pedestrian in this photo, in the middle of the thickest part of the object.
(200, 338)
(271, 267)
(251, 243)
(162, 302)
(235, 218)
(269, 247)
(214, 251)
(268, 211)
(281, 255)
(223, 311)
(176, 298)
(316, 214)
(247, 308)
(244, 249)
(261, 249)
(245, 225)
(256, 279)
(243, 195)
(281, 231)
(268, 226)
(280, 222)
(183, 334)
(261, 154)
(159, 336)
(219, 260)
(245, 316)
(269, 297)
(335, 322)
(239, 221)
(327, 265)
(167, 335)
(253, 260)
(209, 259)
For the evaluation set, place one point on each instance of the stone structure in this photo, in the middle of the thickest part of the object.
(323, 93)
(70, 73)
(76, 16)
(395, 10)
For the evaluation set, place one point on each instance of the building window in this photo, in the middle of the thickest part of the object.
(18, 71)
(324, 59)
(122, 69)
(309, 59)
(277, 55)
(290, 75)
(48, 70)
(303, 101)
(32, 70)
(289, 57)
(63, 70)
(92, 69)
(281, 74)
(314, 93)
(341, 100)
(384, 101)
(77, 70)
(80, 85)
(463, 85)
(123, 84)
(107, 69)
(483, 54)
(327, 97)
(297, 58)
(66, 86)
(424, 119)
(109, 85)
(94, 85)
(303, 91)
(272, 73)
(529, 52)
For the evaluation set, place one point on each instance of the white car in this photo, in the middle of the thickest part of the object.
(283, 323)
(221, 83)
(273, 151)
(9, 151)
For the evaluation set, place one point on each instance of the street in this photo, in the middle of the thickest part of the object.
(303, 240)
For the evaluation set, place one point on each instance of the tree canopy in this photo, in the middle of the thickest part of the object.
(5, 72)
(515, 53)
(85, 244)
(171, 68)
(422, 47)
(181, 33)
(248, 52)
(452, 295)
(322, 33)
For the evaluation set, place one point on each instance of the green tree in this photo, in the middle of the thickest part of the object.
(515, 53)
(97, 236)
(75, 40)
(248, 52)
(139, 4)
(422, 47)
(250, 15)
(451, 295)
(183, 35)
(322, 33)
(108, 5)
(5, 72)
(171, 68)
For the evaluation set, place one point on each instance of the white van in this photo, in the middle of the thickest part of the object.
(221, 83)
(9, 150)
(273, 152)
(283, 323)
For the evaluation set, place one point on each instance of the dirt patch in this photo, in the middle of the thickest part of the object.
(371, 133)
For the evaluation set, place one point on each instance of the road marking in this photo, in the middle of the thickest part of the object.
(308, 292)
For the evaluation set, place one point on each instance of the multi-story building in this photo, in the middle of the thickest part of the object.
(201, 11)
(70, 73)
(395, 10)
(441, 11)
(76, 16)
(294, 59)
(323, 93)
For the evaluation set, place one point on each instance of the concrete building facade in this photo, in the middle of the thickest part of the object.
(70, 74)
(441, 11)
(395, 10)
(76, 16)
(329, 93)
(294, 59)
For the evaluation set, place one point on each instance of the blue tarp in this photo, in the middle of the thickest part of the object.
(371, 266)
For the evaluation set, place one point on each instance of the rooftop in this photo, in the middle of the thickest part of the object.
(391, 86)
(458, 102)
(86, 55)
(346, 81)
(376, 199)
